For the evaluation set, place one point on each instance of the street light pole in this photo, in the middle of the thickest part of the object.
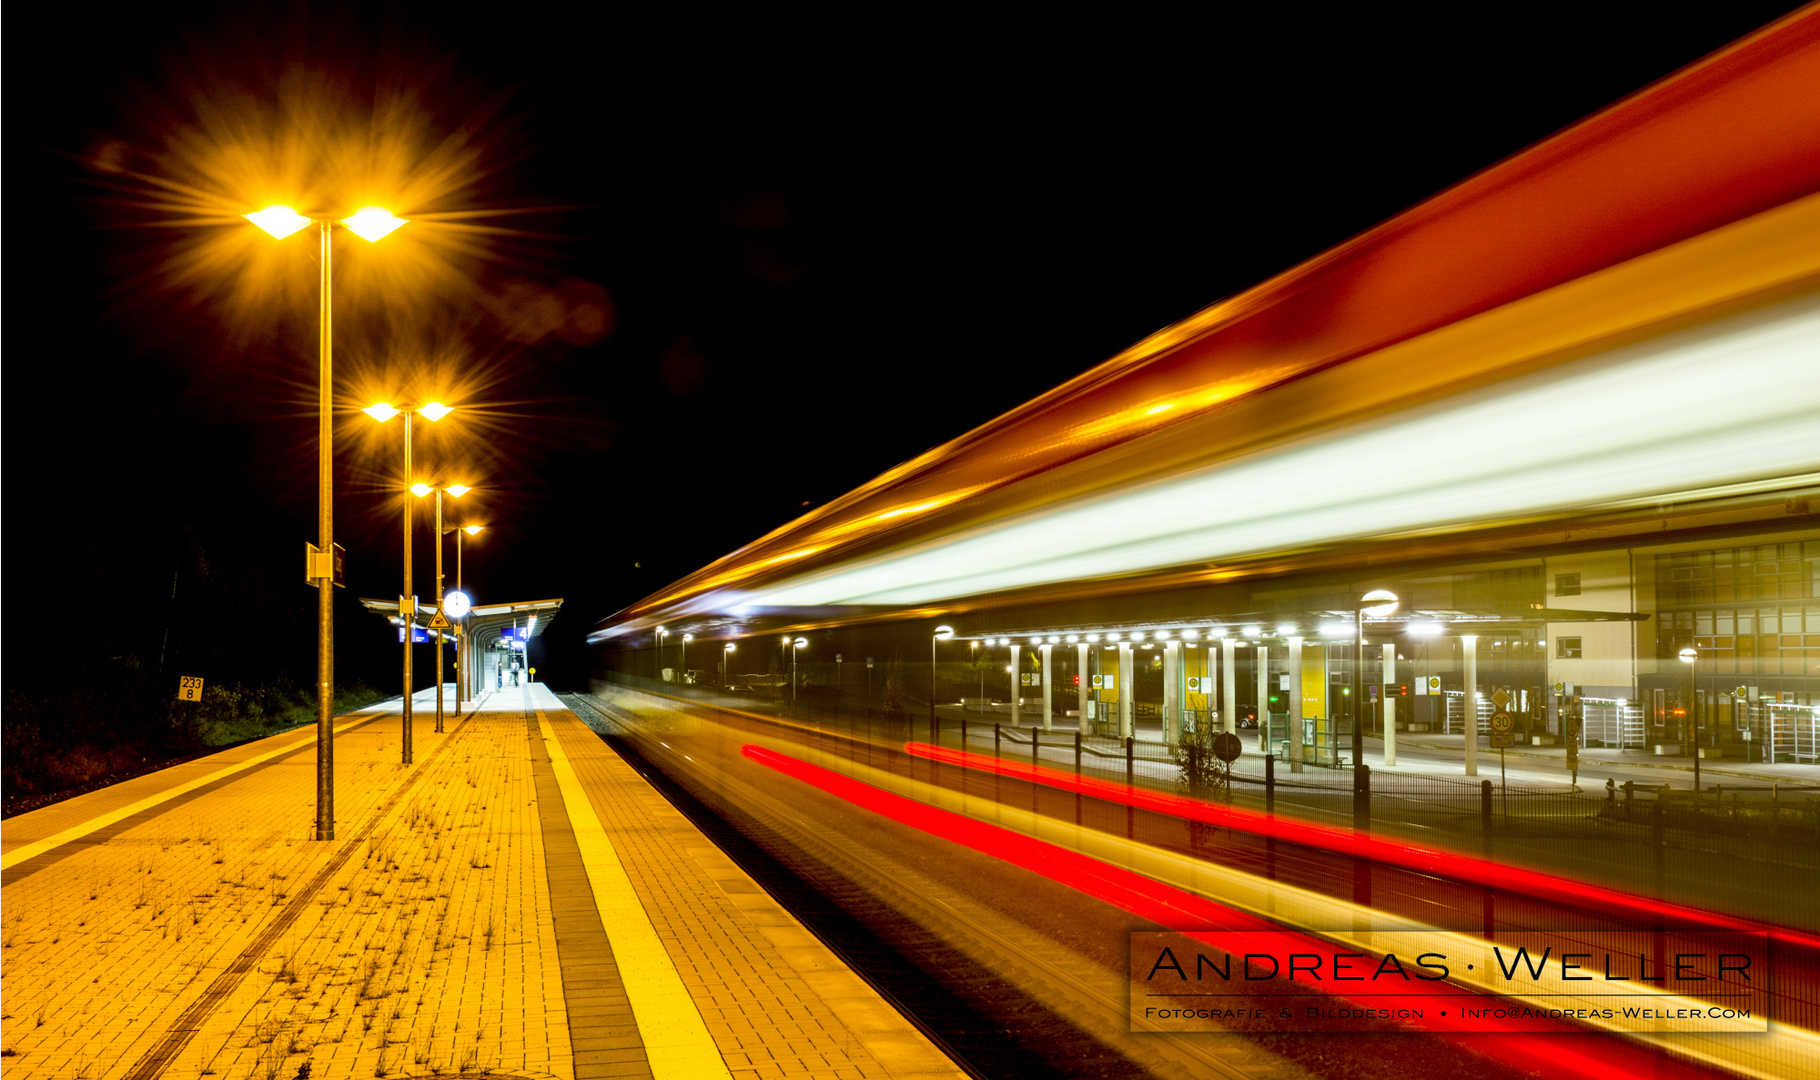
(1379, 603)
(461, 642)
(371, 224)
(725, 660)
(409, 599)
(407, 602)
(325, 527)
(942, 633)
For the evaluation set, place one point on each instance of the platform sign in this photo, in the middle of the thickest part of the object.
(189, 688)
(1434, 684)
(1194, 684)
(1104, 682)
(419, 635)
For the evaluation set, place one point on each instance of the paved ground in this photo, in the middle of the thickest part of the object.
(518, 902)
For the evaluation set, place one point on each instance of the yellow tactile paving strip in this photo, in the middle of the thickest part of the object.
(776, 1001)
(428, 944)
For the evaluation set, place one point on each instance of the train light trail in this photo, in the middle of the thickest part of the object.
(1440, 863)
(1530, 1043)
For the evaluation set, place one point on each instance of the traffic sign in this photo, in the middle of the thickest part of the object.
(439, 622)
(1502, 739)
(189, 688)
(1434, 684)
(1226, 747)
(1500, 697)
(1501, 722)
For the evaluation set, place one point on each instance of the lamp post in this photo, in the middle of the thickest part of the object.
(371, 224)
(683, 655)
(1379, 604)
(942, 633)
(461, 644)
(661, 635)
(1689, 656)
(457, 490)
(726, 655)
(407, 601)
(794, 646)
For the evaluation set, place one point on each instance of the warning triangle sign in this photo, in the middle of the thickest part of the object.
(439, 621)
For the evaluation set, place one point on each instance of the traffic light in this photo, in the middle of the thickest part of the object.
(1278, 703)
(1077, 680)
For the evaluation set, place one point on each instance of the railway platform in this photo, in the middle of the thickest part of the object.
(518, 902)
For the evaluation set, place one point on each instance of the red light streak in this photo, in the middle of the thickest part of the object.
(1407, 856)
(1175, 909)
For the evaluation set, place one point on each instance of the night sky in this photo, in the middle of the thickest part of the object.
(711, 270)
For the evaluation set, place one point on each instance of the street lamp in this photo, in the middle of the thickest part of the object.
(683, 655)
(407, 602)
(726, 655)
(795, 645)
(1689, 656)
(280, 222)
(661, 635)
(457, 490)
(1379, 604)
(461, 644)
(942, 633)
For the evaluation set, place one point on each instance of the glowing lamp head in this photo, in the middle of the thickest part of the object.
(730, 647)
(800, 642)
(688, 637)
(371, 223)
(1379, 603)
(421, 489)
(434, 411)
(1689, 655)
(382, 411)
(473, 530)
(943, 633)
(280, 221)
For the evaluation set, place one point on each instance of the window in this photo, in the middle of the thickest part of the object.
(1567, 585)
(1567, 648)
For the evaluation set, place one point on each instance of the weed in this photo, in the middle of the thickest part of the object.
(489, 933)
(366, 1022)
(379, 1067)
(470, 1058)
(38, 1020)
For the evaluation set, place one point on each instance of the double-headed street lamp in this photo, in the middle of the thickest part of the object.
(407, 601)
(457, 490)
(371, 224)
(461, 643)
